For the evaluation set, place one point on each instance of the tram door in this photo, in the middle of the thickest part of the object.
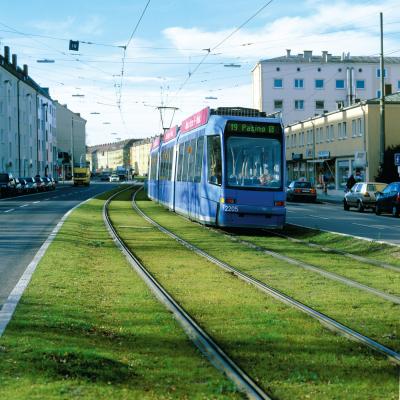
(192, 185)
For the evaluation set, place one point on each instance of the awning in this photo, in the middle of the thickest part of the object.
(319, 161)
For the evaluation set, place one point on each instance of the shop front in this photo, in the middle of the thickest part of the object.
(351, 166)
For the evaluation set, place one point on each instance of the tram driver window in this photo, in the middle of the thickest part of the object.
(214, 165)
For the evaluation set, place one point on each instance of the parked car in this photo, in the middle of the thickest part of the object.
(105, 177)
(41, 186)
(362, 195)
(389, 200)
(53, 183)
(18, 186)
(114, 178)
(301, 190)
(30, 184)
(7, 184)
(48, 184)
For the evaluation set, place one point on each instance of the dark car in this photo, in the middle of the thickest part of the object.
(41, 186)
(7, 184)
(301, 190)
(48, 184)
(105, 177)
(389, 200)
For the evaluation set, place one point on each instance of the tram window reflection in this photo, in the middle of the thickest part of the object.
(253, 162)
(214, 160)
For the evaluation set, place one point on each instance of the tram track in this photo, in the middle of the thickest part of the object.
(324, 319)
(327, 249)
(330, 275)
(199, 337)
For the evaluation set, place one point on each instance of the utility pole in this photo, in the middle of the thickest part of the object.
(382, 103)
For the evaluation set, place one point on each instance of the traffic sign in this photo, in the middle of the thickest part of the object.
(397, 159)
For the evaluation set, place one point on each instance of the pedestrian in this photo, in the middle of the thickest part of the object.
(326, 180)
(350, 182)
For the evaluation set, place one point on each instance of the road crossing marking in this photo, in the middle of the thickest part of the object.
(24, 205)
(11, 209)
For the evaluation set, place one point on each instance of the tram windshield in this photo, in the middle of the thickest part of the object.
(253, 162)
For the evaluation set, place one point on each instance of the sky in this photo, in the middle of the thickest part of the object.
(181, 55)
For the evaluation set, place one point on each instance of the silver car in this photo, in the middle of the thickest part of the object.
(362, 195)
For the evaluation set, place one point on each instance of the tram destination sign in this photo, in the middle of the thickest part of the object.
(252, 127)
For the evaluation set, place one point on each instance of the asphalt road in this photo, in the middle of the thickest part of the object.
(332, 217)
(27, 221)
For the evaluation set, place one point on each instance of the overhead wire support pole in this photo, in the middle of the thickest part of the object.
(382, 102)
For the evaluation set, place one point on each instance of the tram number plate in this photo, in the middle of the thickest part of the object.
(230, 208)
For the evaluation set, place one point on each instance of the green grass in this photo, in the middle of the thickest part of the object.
(376, 277)
(87, 327)
(290, 354)
(359, 310)
(370, 249)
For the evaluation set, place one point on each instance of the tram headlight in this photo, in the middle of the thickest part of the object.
(227, 200)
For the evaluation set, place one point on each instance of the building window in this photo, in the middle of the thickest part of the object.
(344, 130)
(278, 83)
(319, 104)
(360, 84)
(331, 133)
(278, 104)
(353, 128)
(378, 93)
(398, 85)
(299, 83)
(378, 73)
(339, 104)
(339, 83)
(299, 104)
(360, 127)
(278, 69)
(339, 130)
(319, 84)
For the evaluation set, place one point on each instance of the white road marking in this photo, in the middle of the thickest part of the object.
(47, 199)
(317, 216)
(11, 209)
(35, 202)
(370, 226)
(24, 205)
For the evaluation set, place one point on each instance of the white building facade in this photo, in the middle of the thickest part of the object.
(305, 85)
(27, 122)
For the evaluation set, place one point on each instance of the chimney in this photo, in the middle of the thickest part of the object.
(14, 61)
(325, 56)
(7, 54)
(287, 53)
(307, 55)
(25, 70)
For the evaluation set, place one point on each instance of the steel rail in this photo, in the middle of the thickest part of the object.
(199, 337)
(330, 275)
(337, 251)
(322, 318)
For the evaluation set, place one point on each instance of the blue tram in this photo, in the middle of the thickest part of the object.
(222, 167)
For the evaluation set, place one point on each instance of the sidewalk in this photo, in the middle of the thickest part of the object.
(333, 196)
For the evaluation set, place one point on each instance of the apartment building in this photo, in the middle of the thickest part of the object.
(340, 143)
(109, 156)
(27, 122)
(71, 138)
(304, 85)
(140, 151)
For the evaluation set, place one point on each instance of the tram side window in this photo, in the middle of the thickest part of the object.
(153, 166)
(180, 161)
(214, 165)
(191, 150)
(199, 160)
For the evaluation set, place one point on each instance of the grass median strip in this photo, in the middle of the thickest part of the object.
(289, 354)
(361, 311)
(87, 327)
(371, 249)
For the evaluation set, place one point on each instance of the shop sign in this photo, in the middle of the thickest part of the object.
(297, 156)
(360, 159)
(324, 154)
